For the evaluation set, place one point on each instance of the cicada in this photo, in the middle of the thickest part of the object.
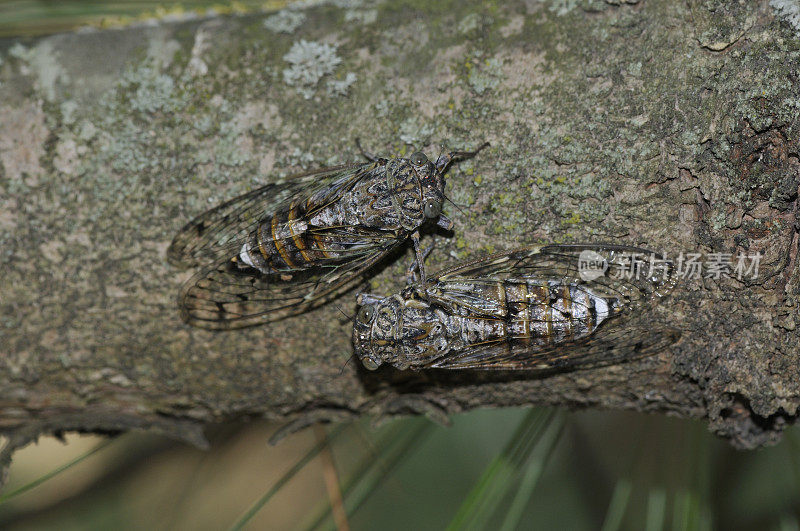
(550, 307)
(288, 246)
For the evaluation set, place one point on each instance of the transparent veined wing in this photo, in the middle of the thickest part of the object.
(631, 274)
(223, 297)
(630, 278)
(608, 345)
(221, 231)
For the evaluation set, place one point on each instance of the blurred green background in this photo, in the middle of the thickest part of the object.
(494, 469)
(491, 469)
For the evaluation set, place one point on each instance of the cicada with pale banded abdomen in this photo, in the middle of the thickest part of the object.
(550, 307)
(287, 247)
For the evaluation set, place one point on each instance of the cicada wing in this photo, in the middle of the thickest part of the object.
(225, 297)
(219, 233)
(633, 275)
(606, 346)
(627, 278)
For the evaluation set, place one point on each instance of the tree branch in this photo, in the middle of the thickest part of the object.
(658, 124)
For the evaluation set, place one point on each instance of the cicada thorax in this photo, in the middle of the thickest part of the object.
(375, 202)
(405, 192)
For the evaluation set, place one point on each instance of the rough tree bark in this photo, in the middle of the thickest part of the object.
(672, 125)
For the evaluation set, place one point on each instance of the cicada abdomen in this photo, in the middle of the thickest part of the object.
(289, 246)
(534, 308)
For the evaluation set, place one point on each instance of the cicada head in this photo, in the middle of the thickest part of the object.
(402, 331)
(419, 189)
(431, 180)
(375, 331)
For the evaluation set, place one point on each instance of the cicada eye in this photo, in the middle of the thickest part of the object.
(432, 208)
(369, 363)
(418, 158)
(365, 314)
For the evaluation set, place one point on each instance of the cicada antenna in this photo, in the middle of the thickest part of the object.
(454, 204)
(366, 154)
(346, 362)
(350, 318)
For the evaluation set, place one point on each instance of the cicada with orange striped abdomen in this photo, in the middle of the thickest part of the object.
(552, 307)
(289, 246)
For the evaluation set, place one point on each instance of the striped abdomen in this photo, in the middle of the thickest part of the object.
(290, 241)
(530, 312)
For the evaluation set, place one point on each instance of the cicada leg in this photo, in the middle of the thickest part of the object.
(418, 262)
(444, 160)
(366, 154)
